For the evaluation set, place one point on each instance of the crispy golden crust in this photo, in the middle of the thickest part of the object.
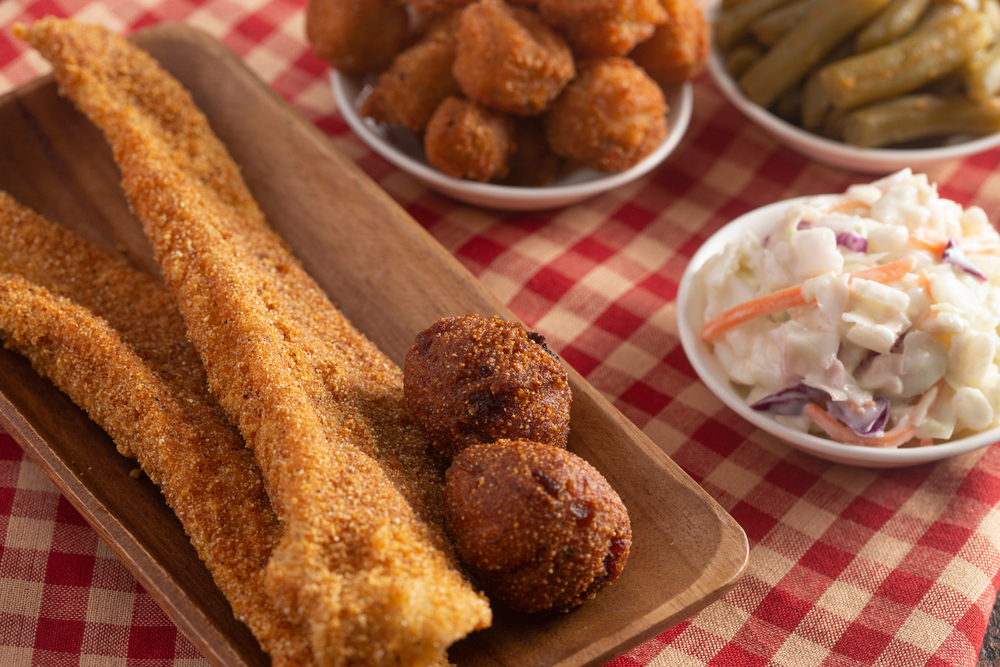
(126, 361)
(678, 50)
(418, 81)
(357, 36)
(538, 524)
(602, 28)
(509, 60)
(367, 571)
(465, 140)
(430, 7)
(470, 380)
(609, 117)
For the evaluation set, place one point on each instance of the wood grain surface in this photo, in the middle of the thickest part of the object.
(393, 280)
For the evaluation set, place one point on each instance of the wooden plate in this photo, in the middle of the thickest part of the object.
(393, 280)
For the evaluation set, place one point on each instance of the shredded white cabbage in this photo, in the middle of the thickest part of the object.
(871, 347)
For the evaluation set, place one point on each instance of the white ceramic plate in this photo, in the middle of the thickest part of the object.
(403, 148)
(690, 311)
(838, 154)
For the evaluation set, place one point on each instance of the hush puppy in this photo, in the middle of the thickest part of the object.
(609, 117)
(465, 140)
(601, 28)
(357, 36)
(678, 50)
(418, 80)
(470, 380)
(539, 526)
(430, 7)
(509, 60)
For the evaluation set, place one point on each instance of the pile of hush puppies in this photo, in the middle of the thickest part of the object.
(537, 525)
(517, 92)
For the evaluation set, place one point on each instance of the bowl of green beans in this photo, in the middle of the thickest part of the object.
(866, 85)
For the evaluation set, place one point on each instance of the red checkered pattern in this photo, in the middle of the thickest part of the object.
(848, 567)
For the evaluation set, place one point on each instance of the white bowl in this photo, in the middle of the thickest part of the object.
(404, 149)
(690, 312)
(838, 154)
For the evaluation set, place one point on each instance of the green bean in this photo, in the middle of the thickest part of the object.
(741, 58)
(788, 106)
(771, 27)
(815, 103)
(982, 74)
(920, 116)
(804, 46)
(908, 64)
(896, 20)
(992, 10)
(734, 24)
(833, 124)
(940, 11)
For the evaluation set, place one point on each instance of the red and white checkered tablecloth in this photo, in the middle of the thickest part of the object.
(848, 566)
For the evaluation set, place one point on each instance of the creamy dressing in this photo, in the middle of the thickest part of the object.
(868, 352)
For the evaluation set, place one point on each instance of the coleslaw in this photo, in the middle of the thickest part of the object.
(871, 316)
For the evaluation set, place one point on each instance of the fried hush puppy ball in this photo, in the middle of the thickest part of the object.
(465, 140)
(430, 7)
(357, 36)
(509, 60)
(539, 526)
(418, 80)
(678, 50)
(601, 28)
(470, 380)
(609, 117)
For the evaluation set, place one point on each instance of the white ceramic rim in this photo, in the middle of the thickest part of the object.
(878, 160)
(689, 322)
(678, 120)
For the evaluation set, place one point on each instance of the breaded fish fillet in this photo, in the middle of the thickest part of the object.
(111, 338)
(363, 559)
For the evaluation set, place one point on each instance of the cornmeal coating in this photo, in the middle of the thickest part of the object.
(609, 118)
(539, 525)
(419, 79)
(603, 28)
(678, 50)
(509, 60)
(466, 140)
(357, 36)
(471, 380)
(370, 573)
(111, 338)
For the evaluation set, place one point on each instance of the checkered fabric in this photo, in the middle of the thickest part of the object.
(848, 566)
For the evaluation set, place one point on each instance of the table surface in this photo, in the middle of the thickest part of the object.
(848, 566)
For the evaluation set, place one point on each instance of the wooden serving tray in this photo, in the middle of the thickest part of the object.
(393, 280)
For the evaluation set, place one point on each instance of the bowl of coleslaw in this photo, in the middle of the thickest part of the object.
(859, 327)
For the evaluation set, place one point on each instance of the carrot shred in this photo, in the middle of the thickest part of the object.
(898, 435)
(853, 203)
(790, 297)
(895, 437)
(925, 239)
(775, 302)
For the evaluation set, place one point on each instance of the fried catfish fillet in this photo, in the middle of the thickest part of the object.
(112, 339)
(363, 560)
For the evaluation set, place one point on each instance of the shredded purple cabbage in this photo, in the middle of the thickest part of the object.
(803, 224)
(789, 401)
(867, 421)
(852, 241)
(957, 257)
